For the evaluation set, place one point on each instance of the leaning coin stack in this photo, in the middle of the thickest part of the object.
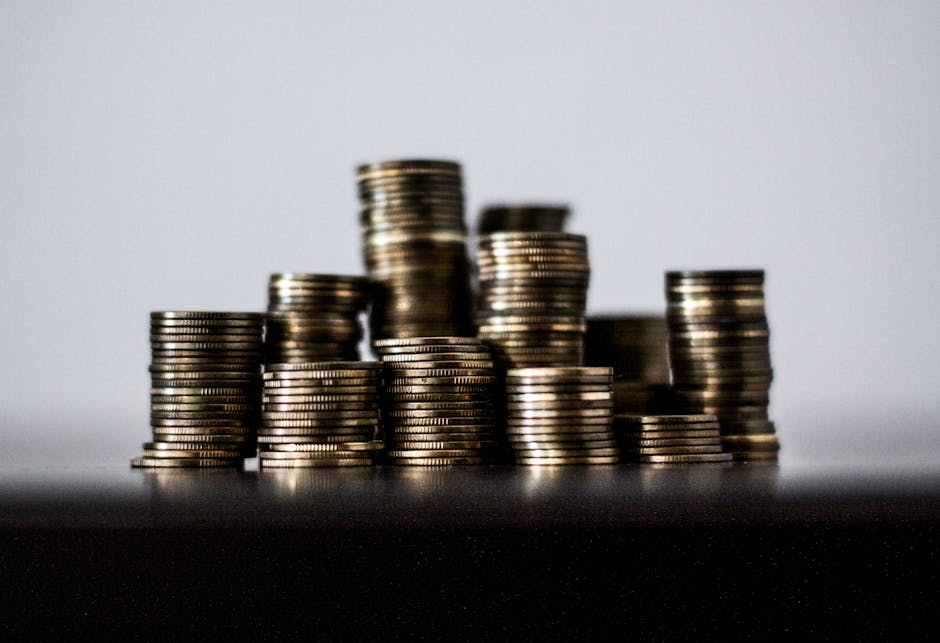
(415, 247)
(636, 347)
(314, 318)
(320, 414)
(720, 355)
(438, 401)
(533, 291)
(560, 415)
(669, 439)
(523, 218)
(205, 403)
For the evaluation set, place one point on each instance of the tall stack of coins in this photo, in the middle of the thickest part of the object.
(523, 218)
(415, 248)
(314, 318)
(636, 347)
(205, 404)
(560, 415)
(320, 414)
(669, 439)
(533, 291)
(720, 354)
(438, 401)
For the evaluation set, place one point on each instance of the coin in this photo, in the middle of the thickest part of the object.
(551, 461)
(186, 462)
(327, 447)
(440, 462)
(686, 458)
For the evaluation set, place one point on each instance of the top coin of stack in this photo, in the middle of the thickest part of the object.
(533, 291)
(414, 242)
(560, 415)
(313, 318)
(636, 347)
(523, 218)
(438, 400)
(720, 354)
(205, 396)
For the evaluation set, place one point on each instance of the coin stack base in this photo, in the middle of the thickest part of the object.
(320, 414)
(205, 401)
(438, 401)
(720, 355)
(669, 439)
(560, 416)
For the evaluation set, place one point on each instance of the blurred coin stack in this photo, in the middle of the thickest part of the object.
(314, 318)
(205, 403)
(533, 291)
(720, 355)
(560, 415)
(320, 414)
(669, 439)
(415, 247)
(523, 218)
(636, 347)
(438, 401)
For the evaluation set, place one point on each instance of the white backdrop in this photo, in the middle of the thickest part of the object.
(170, 155)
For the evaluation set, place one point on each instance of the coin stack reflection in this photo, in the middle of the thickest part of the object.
(720, 355)
(320, 414)
(314, 318)
(523, 218)
(533, 291)
(205, 404)
(438, 401)
(669, 439)
(560, 415)
(636, 347)
(415, 248)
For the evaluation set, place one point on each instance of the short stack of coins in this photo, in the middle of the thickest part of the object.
(320, 414)
(560, 415)
(636, 347)
(314, 318)
(415, 248)
(205, 403)
(669, 439)
(720, 355)
(437, 401)
(533, 291)
(523, 218)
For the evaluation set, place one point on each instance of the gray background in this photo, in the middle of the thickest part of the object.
(170, 155)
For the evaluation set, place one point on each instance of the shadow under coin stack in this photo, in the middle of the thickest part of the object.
(438, 401)
(314, 318)
(559, 416)
(205, 403)
(720, 355)
(415, 248)
(533, 292)
(523, 218)
(669, 439)
(320, 414)
(636, 347)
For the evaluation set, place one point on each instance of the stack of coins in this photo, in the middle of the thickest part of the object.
(205, 404)
(523, 218)
(669, 439)
(560, 415)
(636, 347)
(314, 318)
(720, 354)
(320, 414)
(438, 401)
(415, 248)
(533, 291)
